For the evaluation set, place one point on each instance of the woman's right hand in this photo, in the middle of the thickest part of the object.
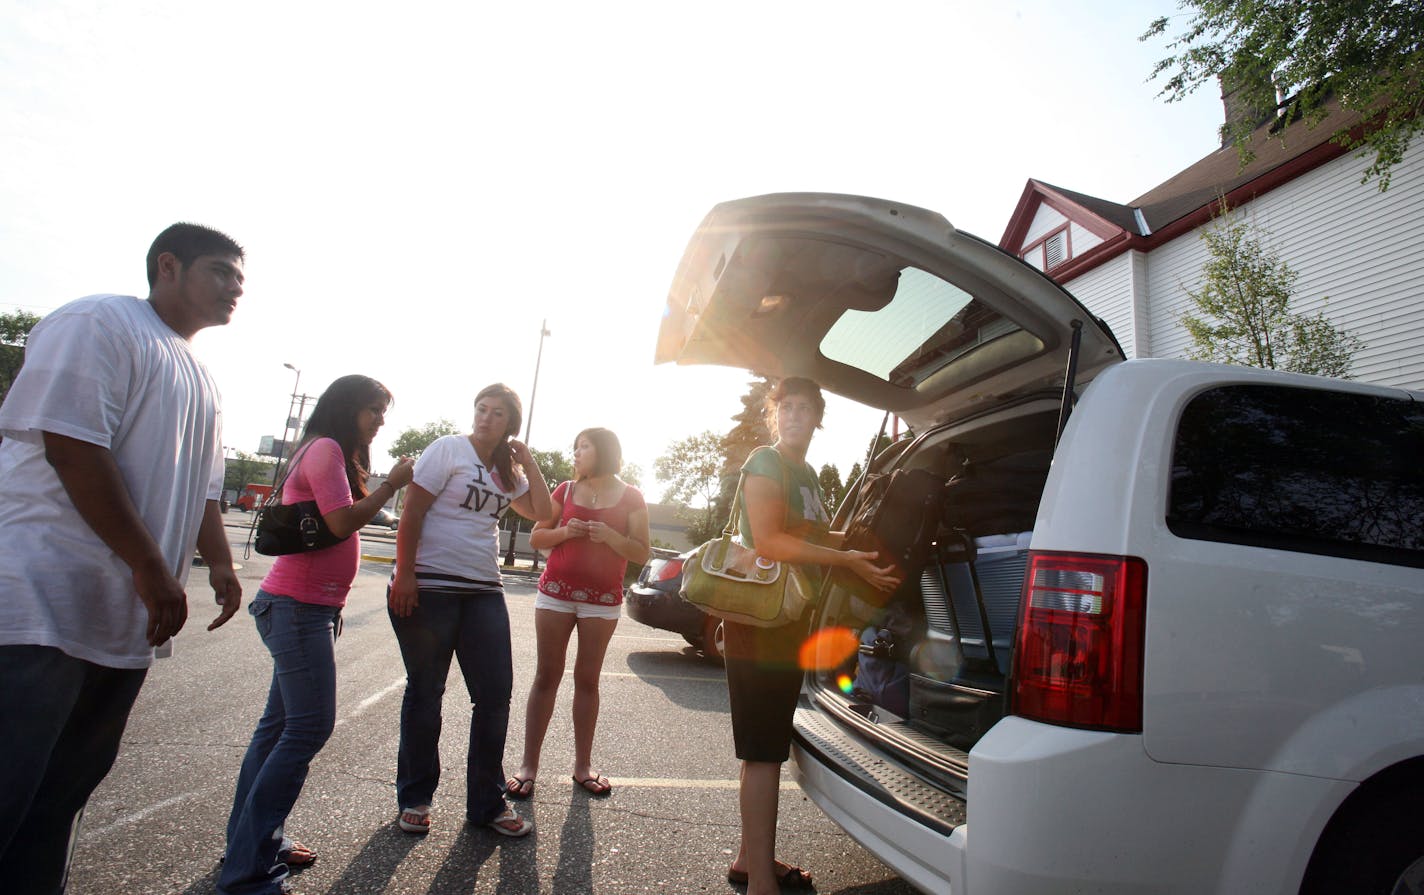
(883, 579)
(402, 597)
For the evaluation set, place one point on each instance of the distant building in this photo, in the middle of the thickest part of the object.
(667, 526)
(1133, 264)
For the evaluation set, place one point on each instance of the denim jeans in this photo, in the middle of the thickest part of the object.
(300, 715)
(61, 720)
(474, 627)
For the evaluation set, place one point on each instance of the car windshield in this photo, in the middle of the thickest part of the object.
(928, 325)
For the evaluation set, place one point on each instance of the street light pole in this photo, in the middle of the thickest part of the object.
(528, 424)
(286, 426)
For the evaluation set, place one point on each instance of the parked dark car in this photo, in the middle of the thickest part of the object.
(386, 519)
(653, 600)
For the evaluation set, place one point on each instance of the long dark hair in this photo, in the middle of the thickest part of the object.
(514, 409)
(608, 453)
(335, 418)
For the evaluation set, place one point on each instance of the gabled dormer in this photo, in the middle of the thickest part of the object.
(1059, 231)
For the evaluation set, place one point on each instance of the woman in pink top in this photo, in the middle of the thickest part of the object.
(296, 611)
(598, 524)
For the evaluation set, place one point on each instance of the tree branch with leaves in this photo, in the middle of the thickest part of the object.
(1368, 53)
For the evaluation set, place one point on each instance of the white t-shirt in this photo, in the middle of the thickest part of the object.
(459, 543)
(106, 370)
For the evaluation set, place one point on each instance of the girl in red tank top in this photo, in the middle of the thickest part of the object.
(598, 525)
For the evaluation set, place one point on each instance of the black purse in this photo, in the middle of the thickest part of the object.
(280, 529)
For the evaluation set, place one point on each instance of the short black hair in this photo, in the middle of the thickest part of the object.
(186, 242)
(794, 385)
(608, 453)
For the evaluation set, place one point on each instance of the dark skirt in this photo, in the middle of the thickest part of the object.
(764, 678)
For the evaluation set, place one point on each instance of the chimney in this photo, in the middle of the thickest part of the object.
(1241, 113)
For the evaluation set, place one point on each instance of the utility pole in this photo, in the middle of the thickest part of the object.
(282, 451)
(528, 424)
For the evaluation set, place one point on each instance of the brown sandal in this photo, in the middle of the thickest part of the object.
(790, 878)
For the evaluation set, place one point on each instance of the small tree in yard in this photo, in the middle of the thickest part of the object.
(1241, 313)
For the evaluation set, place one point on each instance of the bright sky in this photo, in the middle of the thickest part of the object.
(418, 185)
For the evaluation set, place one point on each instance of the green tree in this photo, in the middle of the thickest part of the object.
(555, 466)
(1368, 53)
(632, 473)
(856, 471)
(244, 469)
(412, 442)
(831, 487)
(1241, 312)
(691, 469)
(14, 332)
(749, 431)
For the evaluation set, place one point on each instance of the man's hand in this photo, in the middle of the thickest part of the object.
(228, 592)
(165, 601)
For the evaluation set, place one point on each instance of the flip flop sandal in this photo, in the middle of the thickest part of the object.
(509, 823)
(596, 785)
(297, 856)
(520, 788)
(790, 878)
(415, 820)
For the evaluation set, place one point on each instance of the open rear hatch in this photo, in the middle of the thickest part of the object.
(884, 303)
(889, 305)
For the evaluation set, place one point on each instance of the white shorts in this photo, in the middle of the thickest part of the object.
(577, 610)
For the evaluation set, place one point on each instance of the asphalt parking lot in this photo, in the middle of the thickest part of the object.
(156, 824)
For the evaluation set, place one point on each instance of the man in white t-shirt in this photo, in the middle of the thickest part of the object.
(110, 473)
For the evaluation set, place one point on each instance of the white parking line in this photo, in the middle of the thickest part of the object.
(684, 783)
(137, 816)
(372, 700)
(656, 677)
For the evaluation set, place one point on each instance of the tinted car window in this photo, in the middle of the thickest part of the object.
(1302, 469)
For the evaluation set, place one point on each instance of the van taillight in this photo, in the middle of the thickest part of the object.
(1078, 657)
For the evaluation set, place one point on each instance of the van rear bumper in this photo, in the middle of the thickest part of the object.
(1059, 810)
(915, 829)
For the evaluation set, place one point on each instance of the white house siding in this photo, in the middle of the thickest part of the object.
(1357, 253)
(1081, 239)
(1106, 290)
(1045, 220)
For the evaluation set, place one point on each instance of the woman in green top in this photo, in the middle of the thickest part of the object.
(783, 518)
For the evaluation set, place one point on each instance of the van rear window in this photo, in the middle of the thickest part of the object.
(1302, 469)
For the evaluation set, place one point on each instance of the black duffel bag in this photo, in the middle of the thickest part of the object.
(897, 517)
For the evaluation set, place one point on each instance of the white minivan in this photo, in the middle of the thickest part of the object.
(1166, 631)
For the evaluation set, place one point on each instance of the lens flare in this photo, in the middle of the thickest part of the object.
(828, 648)
(845, 684)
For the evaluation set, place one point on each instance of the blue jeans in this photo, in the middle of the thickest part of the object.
(474, 627)
(61, 720)
(300, 715)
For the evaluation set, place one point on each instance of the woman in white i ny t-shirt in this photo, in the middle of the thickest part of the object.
(447, 599)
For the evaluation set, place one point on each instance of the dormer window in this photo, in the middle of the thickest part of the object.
(1050, 251)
